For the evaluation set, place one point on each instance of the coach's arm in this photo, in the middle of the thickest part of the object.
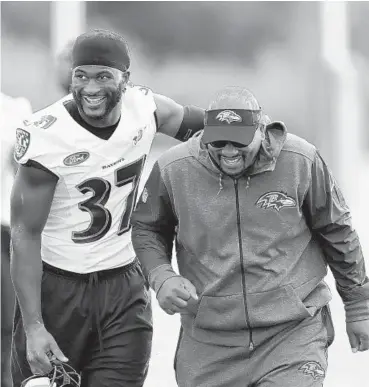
(153, 230)
(175, 120)
(329, 219)
(31, 199)
(153, 227)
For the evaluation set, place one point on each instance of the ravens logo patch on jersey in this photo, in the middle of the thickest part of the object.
(23, 139)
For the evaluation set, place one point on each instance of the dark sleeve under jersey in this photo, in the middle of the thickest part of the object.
(35, 164)
(193, 122)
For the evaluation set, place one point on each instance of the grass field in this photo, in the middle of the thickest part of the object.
(345, 368)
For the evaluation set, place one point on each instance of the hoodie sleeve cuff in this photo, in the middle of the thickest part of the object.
(357, 311)
(159, 275)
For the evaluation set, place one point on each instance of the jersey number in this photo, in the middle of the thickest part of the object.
(100, 216)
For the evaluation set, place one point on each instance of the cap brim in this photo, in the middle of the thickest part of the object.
(241, 134)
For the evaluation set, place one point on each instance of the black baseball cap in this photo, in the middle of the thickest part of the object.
(234, 115)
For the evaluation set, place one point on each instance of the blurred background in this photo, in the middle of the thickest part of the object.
(307, 63)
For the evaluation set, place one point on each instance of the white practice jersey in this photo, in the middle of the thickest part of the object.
(88, 228)
(12, 112)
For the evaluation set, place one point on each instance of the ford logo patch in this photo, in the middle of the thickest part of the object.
(76, 158)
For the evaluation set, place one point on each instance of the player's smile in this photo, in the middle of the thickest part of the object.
(94, 102)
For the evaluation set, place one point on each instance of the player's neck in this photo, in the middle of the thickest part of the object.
(111, 119)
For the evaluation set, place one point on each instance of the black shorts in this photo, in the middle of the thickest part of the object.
(7, 306)
(101, 321)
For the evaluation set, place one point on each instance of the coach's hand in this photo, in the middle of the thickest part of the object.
(358, 333)
(175, 294)
(41, 348)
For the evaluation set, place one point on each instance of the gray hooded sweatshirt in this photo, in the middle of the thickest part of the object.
(256, 248)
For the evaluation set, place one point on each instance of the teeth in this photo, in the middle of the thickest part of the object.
(94, 100)
(232, 160)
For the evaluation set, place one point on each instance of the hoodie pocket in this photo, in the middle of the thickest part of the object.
(276, 307)
(225, 313)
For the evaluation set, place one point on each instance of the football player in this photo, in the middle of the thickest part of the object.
(81, 295)
(13, 110)
(257, 217)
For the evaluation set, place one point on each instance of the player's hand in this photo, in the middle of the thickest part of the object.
(358, 333)
(42, 349)
(175, 294)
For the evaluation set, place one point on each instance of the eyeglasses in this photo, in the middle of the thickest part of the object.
(222, 144)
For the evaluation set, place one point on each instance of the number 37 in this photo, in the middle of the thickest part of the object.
(100, 188)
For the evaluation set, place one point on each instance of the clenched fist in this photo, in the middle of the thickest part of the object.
(175, 294)
(358, 333)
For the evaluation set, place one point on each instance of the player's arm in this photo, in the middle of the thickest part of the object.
(175, 120)
(32, 195)
(329, 219)
(153, 228)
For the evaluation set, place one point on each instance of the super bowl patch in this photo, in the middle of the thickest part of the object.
(138, 136)
(45, 122)
(23, 139)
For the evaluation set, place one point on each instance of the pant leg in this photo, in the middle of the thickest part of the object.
(65, 311)
(7, 307)
(295, 357)
(126, 328)
(203, 365)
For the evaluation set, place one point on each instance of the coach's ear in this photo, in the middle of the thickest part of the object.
(265, 120)
(125, 76)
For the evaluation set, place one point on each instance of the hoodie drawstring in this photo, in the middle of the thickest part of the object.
(220, 183)
(247, 182)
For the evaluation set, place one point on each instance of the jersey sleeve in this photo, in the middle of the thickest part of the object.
(34, 143)
(146, 98)
(151, 105)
